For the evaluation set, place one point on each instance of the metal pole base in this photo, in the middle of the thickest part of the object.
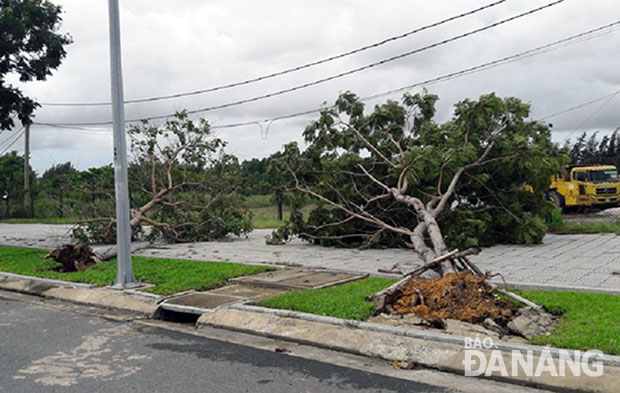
(128, 285)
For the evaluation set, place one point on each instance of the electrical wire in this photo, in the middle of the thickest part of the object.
(592, 115)
(332, 77)
(577, 38)
(574, 108)
(12, 143)
(562, 43)
(10, 136)
(76, 129)
(289, 70)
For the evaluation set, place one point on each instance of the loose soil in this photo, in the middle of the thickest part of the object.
(461, 296)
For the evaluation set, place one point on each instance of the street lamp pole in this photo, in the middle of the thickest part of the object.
(124, 272)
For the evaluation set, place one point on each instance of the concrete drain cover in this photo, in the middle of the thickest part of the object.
(298, 279)
(198, 303)
(250, 291)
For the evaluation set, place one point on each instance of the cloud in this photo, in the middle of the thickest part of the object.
(171, 47)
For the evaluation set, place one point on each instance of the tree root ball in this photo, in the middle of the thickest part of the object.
(463, 296)
(73, 257)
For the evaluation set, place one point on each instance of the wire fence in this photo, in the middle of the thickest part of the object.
(592, 216)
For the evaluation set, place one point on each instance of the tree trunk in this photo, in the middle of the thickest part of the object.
(428, 226)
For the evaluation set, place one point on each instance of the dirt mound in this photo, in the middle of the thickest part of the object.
(461, 296)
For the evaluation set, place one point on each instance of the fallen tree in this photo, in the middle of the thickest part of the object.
(395, 177)
(183, 186)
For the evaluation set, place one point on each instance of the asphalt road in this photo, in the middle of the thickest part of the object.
(50, 346)
(50, 350)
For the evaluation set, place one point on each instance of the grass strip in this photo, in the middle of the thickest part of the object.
(341, 301)
(168, 275)
(558, 225)
(594, 227)
(40, 220)
(588, 320)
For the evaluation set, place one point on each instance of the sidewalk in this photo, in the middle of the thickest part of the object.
(571, 262)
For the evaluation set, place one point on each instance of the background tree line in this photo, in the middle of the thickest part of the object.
(595, 149)
(63, 191)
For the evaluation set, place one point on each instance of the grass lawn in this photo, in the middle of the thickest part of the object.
(41, 220)
(589, 320)
(267, 217)
(342, 301)
(593, 227)
(265, 211)
(168, 275)
(559, 226)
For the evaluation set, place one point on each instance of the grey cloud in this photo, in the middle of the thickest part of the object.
(171, 47)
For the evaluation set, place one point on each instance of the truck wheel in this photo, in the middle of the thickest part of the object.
(556, 198)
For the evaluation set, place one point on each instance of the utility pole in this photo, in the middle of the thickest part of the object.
(124, 272)
(27, 195)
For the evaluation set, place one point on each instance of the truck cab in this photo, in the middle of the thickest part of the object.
(586, 186)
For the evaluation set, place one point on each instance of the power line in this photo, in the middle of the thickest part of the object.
(290, 70)
(77, 129)
(12, 143)
(574, 108)
(10, 136)
(336, 76)
(571, 40)
(577, 38)
(495, 63)
(591, 115)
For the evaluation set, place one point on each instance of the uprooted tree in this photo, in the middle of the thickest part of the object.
(182, 186)
(395, 177)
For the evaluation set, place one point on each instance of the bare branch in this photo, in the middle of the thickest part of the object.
(153, 165)
(361, 215)
(403, 187)
(371, 177)
(443, 165)
(398, 146)
(371, 146)
(480, 161)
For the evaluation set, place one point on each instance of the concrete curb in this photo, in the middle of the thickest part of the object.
(425, 349)
(48, 281)
(609, 360)
(525, 286)
(544, 287)
(132, 301)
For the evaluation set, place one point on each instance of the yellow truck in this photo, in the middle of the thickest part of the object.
(585, 186)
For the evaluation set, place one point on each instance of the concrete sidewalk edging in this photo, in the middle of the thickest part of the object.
(49, 281)
(427, 349)
(85, 294)
(524, 286)
(609, 360)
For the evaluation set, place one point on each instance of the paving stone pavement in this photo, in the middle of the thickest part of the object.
(570, 261)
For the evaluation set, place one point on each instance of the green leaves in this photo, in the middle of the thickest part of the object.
(402, 141)
(31, 47)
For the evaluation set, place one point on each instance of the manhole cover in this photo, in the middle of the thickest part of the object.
(298, 279)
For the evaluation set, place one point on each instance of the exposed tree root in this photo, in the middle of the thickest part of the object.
(77, 257)
(464, 294)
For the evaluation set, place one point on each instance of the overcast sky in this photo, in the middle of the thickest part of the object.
(178, 46)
